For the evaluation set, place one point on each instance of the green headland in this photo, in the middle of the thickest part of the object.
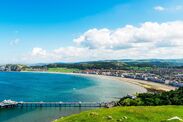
(129, 114)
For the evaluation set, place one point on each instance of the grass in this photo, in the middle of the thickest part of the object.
(127, 114)
(140, 68)
(64, 70)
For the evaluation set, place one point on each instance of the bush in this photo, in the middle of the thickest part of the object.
(155, 99)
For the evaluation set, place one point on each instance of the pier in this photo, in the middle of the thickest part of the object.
(11, 104)
(8, 104)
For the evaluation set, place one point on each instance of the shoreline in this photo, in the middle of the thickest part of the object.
(148, 85)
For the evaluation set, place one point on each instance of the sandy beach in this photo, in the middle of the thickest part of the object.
(150, 86)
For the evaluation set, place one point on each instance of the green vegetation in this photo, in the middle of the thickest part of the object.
(90, 65)
(128, 114)
(141, 65)
(144, 108)
(153, 99)
(140, 68)
(26, 69)
(64, 70)
(127, 64)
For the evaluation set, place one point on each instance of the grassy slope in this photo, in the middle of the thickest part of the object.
(64, 70)
(133, 114)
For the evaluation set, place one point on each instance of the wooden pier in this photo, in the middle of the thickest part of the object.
(53, 104)
(60, 104)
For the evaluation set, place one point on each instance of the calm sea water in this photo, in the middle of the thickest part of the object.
(56, 87)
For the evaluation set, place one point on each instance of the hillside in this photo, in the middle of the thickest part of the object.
(124, 64)
(128, 114)
(91, 65)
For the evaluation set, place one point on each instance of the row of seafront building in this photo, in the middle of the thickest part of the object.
(174, 80)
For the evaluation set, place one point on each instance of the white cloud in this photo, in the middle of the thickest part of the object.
(61, 54)
(149, 40)
(38, 52)
(36, 55)
(159, 8)
(14, 42)
(169, 8)
(148, 34)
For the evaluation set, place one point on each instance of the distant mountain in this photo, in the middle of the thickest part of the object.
(173, 62)
(117, 64)
(91, 65)
(38, 64)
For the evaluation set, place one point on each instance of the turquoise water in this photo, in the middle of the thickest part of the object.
(20, 86)
(37, 114)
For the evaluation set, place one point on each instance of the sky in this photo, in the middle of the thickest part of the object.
(45, 31)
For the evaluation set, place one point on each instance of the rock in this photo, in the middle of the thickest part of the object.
(110, 105)
(125, 117)
(109, 117)
(120, 120)
(93, 114)
(175, 118)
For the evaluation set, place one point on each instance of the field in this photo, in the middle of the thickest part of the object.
(64, 70)
(128, 114)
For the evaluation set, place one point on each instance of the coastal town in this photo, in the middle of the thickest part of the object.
(168, 76)
(91, 61)
(173, 77)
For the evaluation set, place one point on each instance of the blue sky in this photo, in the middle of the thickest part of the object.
(35, 31)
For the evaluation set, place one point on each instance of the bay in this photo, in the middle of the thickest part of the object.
(27, 86)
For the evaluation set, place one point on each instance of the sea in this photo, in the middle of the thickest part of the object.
(50, 87)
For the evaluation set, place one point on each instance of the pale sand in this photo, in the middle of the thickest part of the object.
(146, 84)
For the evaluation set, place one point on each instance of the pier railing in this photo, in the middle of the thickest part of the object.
(53, 104)
(60, 104)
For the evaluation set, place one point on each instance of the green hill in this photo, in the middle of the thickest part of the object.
(63, 70)
(90, 65)
(128, 114)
